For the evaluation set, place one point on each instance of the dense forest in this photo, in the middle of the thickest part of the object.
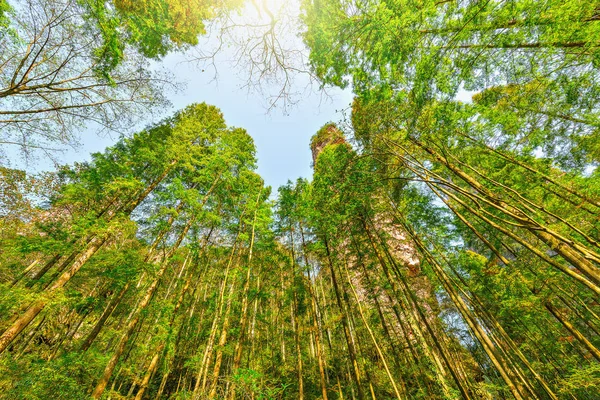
(442, 249)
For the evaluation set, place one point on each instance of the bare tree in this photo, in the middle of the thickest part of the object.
(50, 80)
(264, 44)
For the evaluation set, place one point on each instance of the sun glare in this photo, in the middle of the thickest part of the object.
(270, 10)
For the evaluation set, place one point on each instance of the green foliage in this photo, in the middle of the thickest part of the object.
(451, 251)
(252, 385)
(582, 379)
(4, 15)
(65, 377)
(154, 27)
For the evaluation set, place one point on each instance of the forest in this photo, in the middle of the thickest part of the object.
(442, 249)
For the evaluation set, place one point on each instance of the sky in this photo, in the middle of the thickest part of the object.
(281, 136)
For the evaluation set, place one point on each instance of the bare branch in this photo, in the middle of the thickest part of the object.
(48, 87)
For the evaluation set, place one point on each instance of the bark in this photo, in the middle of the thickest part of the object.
(574, 331)
(108, 310)
(222, 340)
(203, 371)
(416, 318)
(245, 302)
(350, 345)
(566, 248)
(132, 325)
(399, 396)
(491, 350)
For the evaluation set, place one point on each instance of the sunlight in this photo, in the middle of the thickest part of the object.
(271, 11)
(442, 242)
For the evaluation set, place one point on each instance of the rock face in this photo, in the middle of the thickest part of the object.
(368, 285)
(327, 135)
(400, 245)
(402, 249)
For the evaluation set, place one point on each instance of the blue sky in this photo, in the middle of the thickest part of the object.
(281, 136)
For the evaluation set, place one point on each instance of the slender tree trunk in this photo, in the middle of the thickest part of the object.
(222, 340)
(115, 301)
(487, 343)
(351, 350)
(149, 372)
(97, 393)
(574, 331)
(570, 251)
(315, 318)
(245, 301)
(375, 342)
(201, 377)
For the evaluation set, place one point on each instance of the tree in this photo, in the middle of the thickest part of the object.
(508, 167)
(443, 250)
(165, 151)
(52, 80)
(155, 27)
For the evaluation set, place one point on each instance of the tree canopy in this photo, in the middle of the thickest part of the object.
(444, 247)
